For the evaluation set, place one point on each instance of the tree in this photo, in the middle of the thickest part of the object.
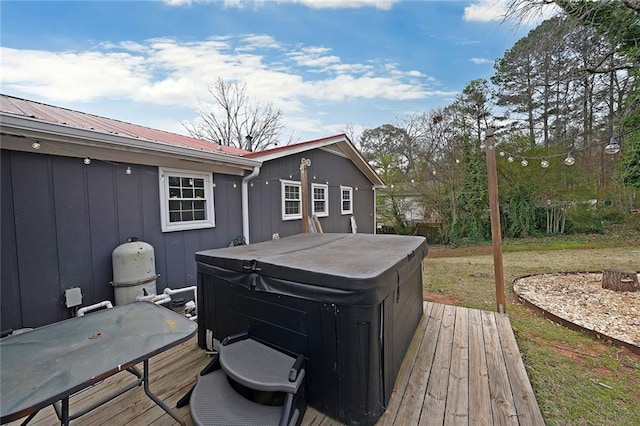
(233, 116)
(472, 108)
(616, 20)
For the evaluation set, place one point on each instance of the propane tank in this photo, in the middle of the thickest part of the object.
(134, 271)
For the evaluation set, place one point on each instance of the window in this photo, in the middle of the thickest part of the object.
(346, 197)
(186, 200)
(291, 200)
(320, 199)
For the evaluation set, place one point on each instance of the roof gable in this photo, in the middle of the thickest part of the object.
(337, 144)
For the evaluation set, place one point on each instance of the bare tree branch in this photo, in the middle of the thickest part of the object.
(233, 115)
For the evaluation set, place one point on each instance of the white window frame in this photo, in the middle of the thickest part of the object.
(350, 189)
(167, 225)
(283, 185)
(325, 188)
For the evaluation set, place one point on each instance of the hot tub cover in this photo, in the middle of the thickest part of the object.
(352, 269)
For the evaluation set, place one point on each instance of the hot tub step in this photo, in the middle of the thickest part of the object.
(251, 384)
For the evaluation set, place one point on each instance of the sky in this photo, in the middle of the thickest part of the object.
(326, 64)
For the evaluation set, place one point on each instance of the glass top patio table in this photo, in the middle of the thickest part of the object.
(50, 363)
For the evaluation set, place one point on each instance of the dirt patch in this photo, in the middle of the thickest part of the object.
(441, 298)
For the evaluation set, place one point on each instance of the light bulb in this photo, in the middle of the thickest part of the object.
(544, 163)
(569, 161)
(613, 147)
(35, 145)
(87, 161)
(457, 161)
(501, 153)
(524, 162)
(128, 171)
(433, 172)
(510, 159)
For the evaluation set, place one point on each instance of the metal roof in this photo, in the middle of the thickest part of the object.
(80, 120)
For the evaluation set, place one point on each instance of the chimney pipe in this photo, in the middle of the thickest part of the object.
(248, 138)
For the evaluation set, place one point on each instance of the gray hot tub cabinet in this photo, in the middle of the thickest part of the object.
(350, 303)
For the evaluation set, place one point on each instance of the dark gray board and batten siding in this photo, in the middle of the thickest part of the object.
(265, 202)
(62, 219)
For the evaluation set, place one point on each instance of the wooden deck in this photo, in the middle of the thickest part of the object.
(463, 367)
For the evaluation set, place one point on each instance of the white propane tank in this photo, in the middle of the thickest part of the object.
(134, 271)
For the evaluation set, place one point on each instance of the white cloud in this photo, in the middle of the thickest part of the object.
(344, 4)
(496, 10)
(73, 76)
(485, 10)
(313, 4)
(256, 41)
(170, 72)
(480, 61)
(178, 2)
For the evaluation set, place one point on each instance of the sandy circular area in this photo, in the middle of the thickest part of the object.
(580, 298)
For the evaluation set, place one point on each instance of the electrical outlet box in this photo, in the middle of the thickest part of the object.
(73, 297)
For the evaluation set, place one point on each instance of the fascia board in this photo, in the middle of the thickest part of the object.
(39, 129)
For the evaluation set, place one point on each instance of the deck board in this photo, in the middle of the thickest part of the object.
(457, 407)
(479, 394)
(463, 366)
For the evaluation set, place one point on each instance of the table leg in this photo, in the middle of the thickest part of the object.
(64, 420)
(154, 398)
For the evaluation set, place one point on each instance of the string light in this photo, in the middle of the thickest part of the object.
(569, 161)
(614, 146)
(129, 171)
(524, 162)
(510, 159)
(544, 163)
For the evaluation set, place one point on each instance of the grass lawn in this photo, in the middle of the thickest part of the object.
(578, 380)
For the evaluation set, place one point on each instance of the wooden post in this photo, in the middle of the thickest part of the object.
(494, 208)
(304, 193)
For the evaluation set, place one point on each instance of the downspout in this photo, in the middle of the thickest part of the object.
(245, 202)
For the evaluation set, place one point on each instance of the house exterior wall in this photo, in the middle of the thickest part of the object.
(62, 219)
(265, 197)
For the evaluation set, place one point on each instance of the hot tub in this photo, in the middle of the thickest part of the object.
(349, 302)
